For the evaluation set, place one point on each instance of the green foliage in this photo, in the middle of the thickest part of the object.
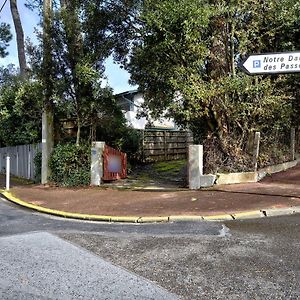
(82, 38)
(70, 165)
(20, 110)
(185, 58)
(132, 141)
(38, 166)
(5, 38)
(189, 50)
(121, 137)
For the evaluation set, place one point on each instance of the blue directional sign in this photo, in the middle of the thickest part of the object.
(272, 63)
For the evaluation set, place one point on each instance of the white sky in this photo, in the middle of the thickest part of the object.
(117, 77)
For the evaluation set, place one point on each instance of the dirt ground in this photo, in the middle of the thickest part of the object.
(276, 191)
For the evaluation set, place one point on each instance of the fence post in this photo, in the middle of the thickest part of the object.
(17, 162)
(256, 149)
(29, 163)
(165, 145)
(143, 145)
(293, 142)
(7, 172)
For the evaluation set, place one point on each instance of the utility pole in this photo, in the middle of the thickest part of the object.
(48, 111)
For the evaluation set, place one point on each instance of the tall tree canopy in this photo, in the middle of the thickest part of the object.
(83, 35)
(185, 55)
(20, 108)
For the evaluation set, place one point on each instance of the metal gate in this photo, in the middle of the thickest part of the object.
(114, 164)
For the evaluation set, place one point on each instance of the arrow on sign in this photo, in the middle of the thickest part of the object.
(272, 63)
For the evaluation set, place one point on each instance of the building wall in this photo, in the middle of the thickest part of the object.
(141, 123)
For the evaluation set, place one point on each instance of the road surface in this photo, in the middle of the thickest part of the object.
(43, 257)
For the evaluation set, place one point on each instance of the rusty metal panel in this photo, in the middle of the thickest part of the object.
(114, 164)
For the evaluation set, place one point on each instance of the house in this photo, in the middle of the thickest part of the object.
(131, 104)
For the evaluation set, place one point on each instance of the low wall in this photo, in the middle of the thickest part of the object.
(232, 178)
(244, 177)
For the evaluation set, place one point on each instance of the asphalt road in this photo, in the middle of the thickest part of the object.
(49, 258)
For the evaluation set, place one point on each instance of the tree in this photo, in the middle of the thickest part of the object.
(5, 38)
(47, 78)
(82, 38)
(19, 35)
(20, 109)
(185, 55)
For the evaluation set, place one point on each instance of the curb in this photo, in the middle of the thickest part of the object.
(155, 219)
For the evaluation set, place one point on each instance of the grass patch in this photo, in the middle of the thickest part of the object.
(18, 180)
(173, 166)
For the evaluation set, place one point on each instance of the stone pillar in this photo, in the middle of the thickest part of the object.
(97, 162)
(195, 166)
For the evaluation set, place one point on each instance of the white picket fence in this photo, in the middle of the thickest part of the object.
(21, 160)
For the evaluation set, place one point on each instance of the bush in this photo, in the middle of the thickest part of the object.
(132, 143)
(70, 165)
(38, 167)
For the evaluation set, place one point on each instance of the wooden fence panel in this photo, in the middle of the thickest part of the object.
(161, 145)
(21, 160)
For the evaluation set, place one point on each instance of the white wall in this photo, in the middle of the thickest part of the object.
(140, 123)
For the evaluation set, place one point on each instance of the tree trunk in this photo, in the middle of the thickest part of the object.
(78, 132)
(48, 127)
(19, 35)
(232, 32)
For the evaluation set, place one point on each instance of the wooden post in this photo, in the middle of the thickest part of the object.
(256, 149)
(165, 145)
(7, 173)
(143, 145)
(29, 163)
(293, 142)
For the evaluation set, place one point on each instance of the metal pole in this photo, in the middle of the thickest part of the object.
(7, 172)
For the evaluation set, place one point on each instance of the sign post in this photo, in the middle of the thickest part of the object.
(271, 63)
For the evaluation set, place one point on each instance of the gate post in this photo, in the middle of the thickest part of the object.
(97, 162)
(195, 166)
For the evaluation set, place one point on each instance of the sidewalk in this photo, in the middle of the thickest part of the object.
(281, 190)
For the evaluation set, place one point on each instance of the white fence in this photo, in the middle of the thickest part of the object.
(21, 160)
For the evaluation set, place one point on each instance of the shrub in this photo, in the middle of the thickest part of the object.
(38, 167)
(131, 145)
(70, 165)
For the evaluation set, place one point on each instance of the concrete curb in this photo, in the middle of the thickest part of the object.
(246, 177)
(155, 219)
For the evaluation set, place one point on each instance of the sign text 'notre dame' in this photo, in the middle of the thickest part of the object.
(272, 63)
